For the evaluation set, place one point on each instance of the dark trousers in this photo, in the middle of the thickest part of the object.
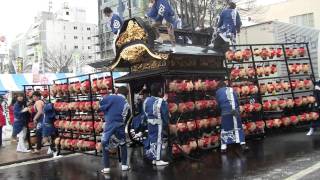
(0, 136)
(39, 139)
(105, 154)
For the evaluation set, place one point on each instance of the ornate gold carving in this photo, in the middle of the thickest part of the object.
(133, 32)
(155, 64)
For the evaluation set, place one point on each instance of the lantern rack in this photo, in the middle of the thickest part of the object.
(31, 131)
(70, 115)
(282, 61)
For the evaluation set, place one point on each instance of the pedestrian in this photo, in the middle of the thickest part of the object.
(229, 23)
(316, 93)
(115, 22)
(159, 10)
(20, 123)
(2, 123)
(116, 114)
(49, 132)
(38, 118)
(156, 110)
(231, 125)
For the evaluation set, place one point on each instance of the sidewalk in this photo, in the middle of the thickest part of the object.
(8, 154)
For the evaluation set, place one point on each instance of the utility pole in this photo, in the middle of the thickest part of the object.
(129, 8)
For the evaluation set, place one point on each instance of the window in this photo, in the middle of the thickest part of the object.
(76, 47)
(89, 38)
(64, 37)
(88, 29)
(75, 27)
(90, 57)
(303, 20)
(64, 27)
(67, 13)
(65, 46)
(89, 47)
(75, 37)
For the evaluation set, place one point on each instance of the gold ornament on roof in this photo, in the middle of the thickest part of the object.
(132, 33)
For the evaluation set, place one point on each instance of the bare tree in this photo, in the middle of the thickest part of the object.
(203, 13)
(63, 61)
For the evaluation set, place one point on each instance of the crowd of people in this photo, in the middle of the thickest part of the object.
(37, 114)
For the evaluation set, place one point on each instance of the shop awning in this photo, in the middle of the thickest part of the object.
(15, 82)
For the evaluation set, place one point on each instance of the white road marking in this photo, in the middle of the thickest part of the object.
(304, 172)
(38, 161)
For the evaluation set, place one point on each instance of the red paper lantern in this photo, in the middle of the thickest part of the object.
(279, 52)
(264, 53)
(272, 53)
(302, 51)
(277, 123)
(294, 120)
(269, 123)
(286, 121)
(246, 54)
(230, 55)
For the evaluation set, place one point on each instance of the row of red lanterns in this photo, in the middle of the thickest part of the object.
(98, 85)
(292, 120)
(299, 68)
(241, 72)
(194, 125)
(264, 53)
(84, 126)
(252, 127)
(191, 106)
(77, 106)
(187, 85)
(205, 142)
(80, 144)
(278, 86)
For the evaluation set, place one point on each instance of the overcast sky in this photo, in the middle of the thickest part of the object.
(17, 15)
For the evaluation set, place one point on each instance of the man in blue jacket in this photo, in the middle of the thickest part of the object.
(115, 23)
(229, 23)
(116, 113)
(231, 125)
(161, 9)
(156, 110)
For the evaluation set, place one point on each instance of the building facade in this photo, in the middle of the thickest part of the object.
(121, 7)
(299, 12)
(4, 55)
(59, 41)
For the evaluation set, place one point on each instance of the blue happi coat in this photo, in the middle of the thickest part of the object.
(116, 23)
(160, 10)
(20, 118)
(48, 128)
(229, 21)
(116, 109)
(231, 125)
(157, 113)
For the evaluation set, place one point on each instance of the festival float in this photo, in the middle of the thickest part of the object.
(274, 83)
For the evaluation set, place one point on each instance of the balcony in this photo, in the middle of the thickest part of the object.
(30, 52)
(33, 41)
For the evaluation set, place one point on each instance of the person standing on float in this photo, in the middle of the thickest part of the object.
(231, 125)
(116, 114)
(159, 10)
(115, 23)
(229, 23)
(316, 93)
(157, 113)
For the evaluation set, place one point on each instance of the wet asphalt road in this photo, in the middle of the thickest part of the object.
(276, 157)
